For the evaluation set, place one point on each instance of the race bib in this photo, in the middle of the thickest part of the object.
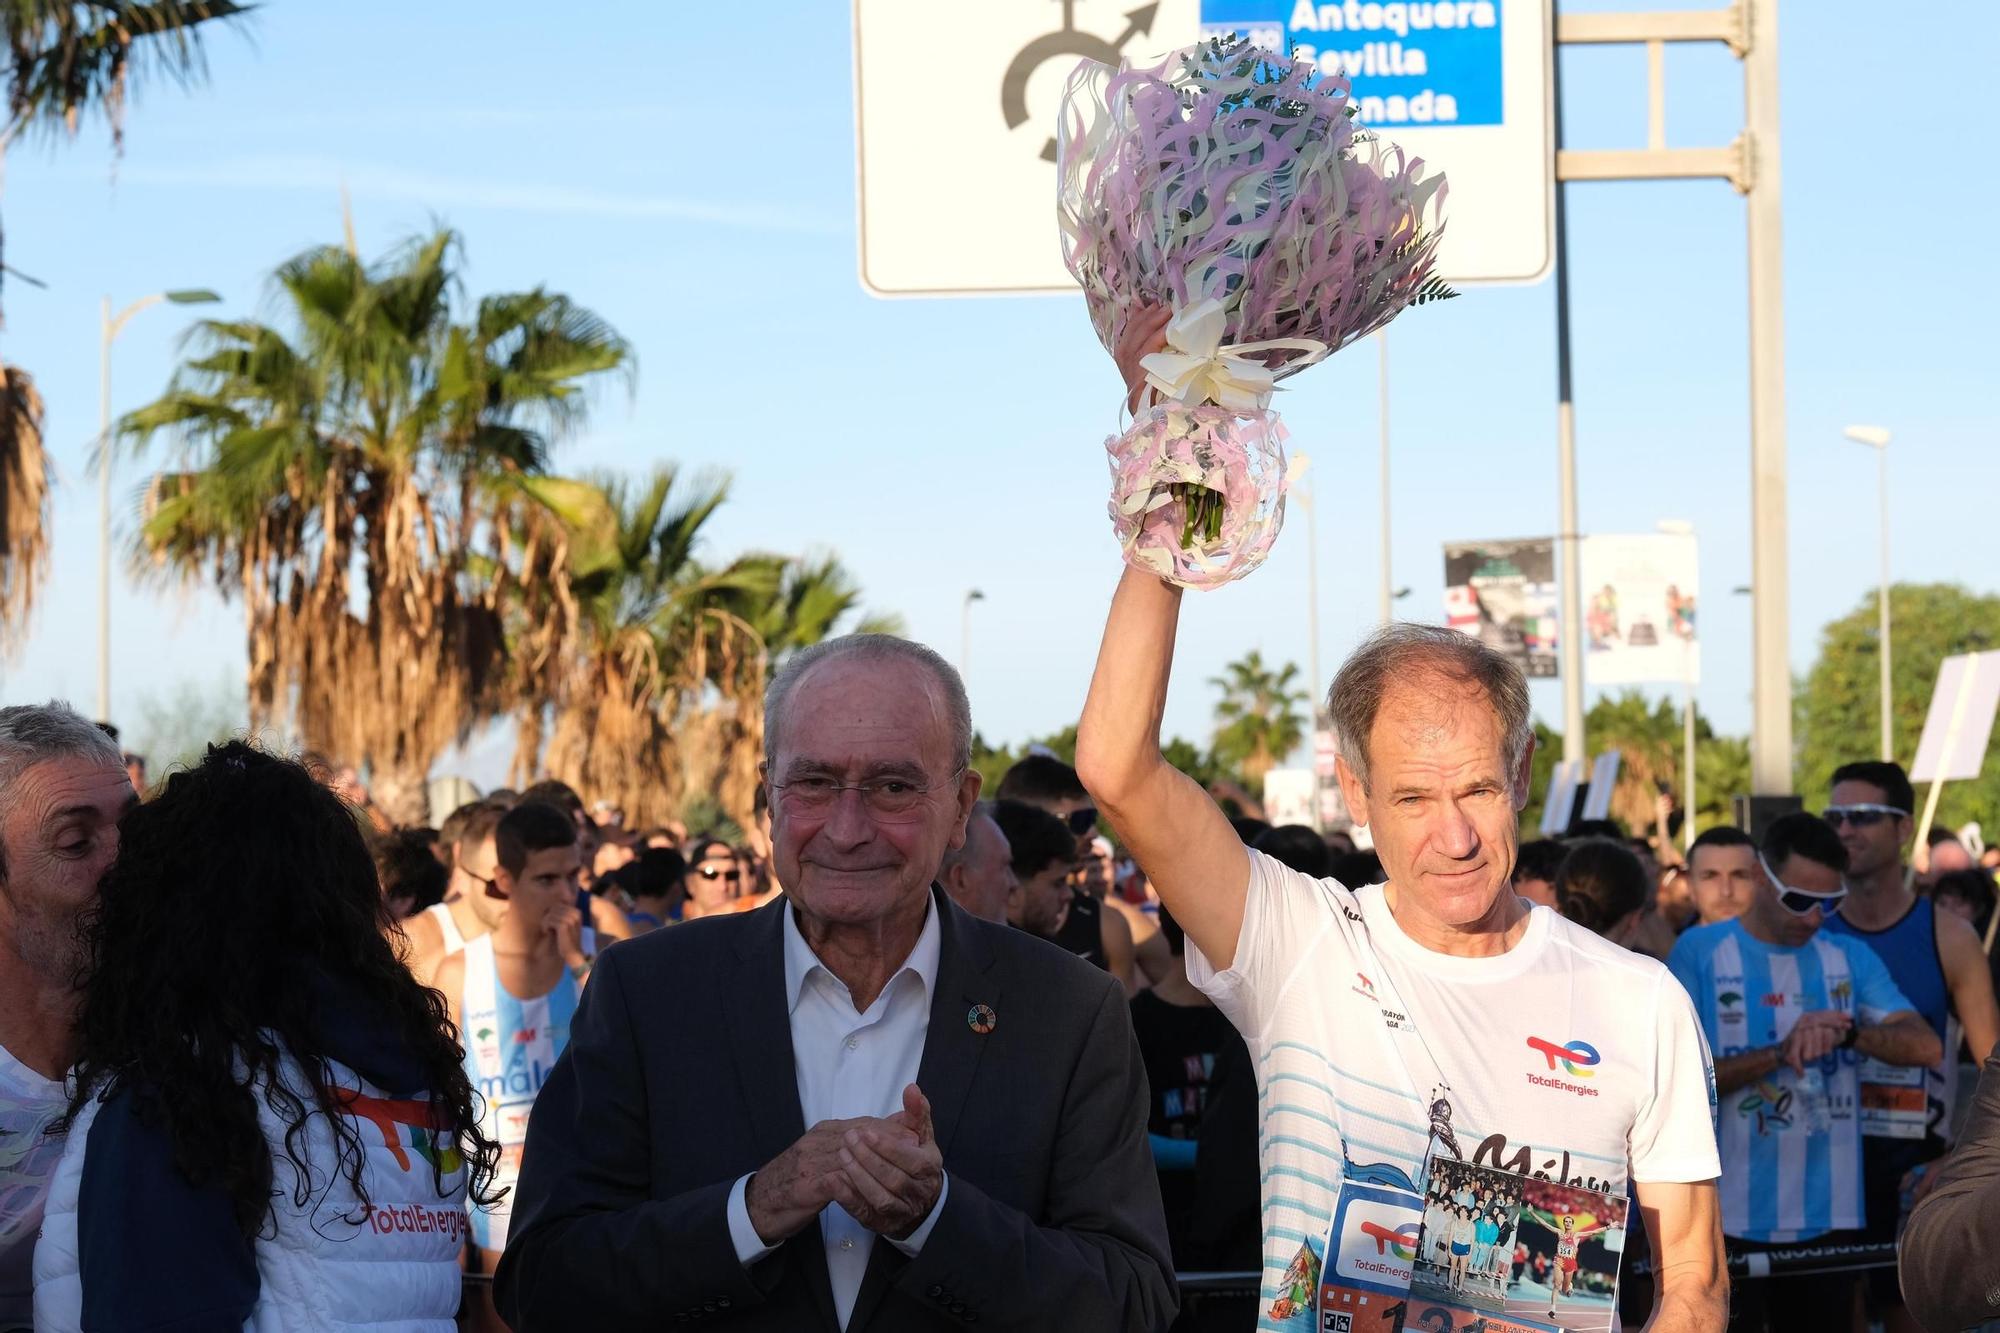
(1893, 1101)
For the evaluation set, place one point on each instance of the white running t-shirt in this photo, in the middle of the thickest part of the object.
(29, 1103)
(1566, 1059)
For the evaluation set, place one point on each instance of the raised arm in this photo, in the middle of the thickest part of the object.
(1178, 835)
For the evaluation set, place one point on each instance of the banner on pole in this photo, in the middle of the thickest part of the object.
(1503, 593)
(1560, 799)
(1289, 796)
(1639, 609)
(1959, 726)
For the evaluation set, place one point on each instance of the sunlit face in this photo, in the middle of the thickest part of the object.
(853, 721)
(1726, 881)
(59, 834)
(1039, 903)
(547, 884)
(1791, 929)
(1441, 799)
(714, 879)
(478, 870)
(1873, 847)
(1949, 856)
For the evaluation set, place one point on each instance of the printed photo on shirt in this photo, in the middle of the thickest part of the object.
(1565, 1257)
(1471, 1217)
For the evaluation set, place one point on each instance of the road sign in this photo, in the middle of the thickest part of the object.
(1465, 86)
(955, 118)
(1960, 724)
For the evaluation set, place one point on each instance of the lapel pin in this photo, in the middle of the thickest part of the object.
(981, 1019)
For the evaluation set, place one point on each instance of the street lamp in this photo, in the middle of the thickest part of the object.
(965, 631)
(1877, 438)
(110, 327)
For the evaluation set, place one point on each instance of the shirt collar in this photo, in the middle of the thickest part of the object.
(801, 962)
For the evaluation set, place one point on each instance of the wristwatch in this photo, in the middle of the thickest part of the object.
(1849, 1037)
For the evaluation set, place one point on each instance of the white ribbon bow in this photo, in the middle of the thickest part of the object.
(1198, 368)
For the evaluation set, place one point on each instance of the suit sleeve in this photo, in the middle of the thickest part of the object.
(1946, 1254)
(588, 1246)
(1097, 1259)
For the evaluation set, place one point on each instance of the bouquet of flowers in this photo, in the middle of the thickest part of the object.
(1230, 185)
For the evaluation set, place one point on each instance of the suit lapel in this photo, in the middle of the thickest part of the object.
(951, 1058)
(760, 1030)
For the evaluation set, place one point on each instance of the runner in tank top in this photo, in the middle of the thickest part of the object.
(1939, 963)
(513, 991)
(471, 904)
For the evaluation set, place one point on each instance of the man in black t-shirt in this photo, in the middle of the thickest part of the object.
(1180, 1032)
(1042, 852)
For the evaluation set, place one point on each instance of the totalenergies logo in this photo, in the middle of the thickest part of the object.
(1576, 1058)
(1402, 1240)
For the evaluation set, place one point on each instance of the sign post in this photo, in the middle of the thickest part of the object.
(1957, 730)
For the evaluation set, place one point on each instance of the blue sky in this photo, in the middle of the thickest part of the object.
(586, 155)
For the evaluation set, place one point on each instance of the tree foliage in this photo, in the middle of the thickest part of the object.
(1838, 705)
(1260, 718)
(370, 485)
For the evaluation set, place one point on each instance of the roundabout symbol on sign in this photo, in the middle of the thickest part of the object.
(1067, 41)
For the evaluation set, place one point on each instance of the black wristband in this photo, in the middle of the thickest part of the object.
(1849, 1037)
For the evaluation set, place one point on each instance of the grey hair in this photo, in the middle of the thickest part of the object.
(1400, 651)
(872, 648)
(980, 810)
(31, 733)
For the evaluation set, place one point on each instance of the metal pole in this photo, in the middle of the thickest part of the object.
(1570, 630)
(1888, 705)
(1771, 721)
(1382, 401)
(1308, 498)
(104, 512)
(1687, 742)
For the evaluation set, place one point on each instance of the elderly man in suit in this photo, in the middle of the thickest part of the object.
(857, 1108)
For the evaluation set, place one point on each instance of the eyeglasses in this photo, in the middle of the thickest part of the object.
(1082, 821)
(1861, 816)
(1801, 901)
(889, 800)
(711, 873)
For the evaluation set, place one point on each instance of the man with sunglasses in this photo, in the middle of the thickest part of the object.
(469, 910)
(1935, 959)
(1788, 1009)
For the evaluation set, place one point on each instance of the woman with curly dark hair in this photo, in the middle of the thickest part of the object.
(270, 1124)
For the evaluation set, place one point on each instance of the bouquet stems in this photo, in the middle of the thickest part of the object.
(1201, 512)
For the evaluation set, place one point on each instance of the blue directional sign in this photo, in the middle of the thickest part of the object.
(1410, 62)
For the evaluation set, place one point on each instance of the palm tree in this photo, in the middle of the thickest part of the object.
(658, 692)
(1258, 721)
(371, 487)
(66, 57)
(24, 500)
(647, 616)
(811, 599)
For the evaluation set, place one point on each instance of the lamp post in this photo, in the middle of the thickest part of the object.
(1876, 438)
(965, 631)
(110, 326)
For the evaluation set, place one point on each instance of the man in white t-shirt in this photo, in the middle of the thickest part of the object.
(1438, 1014)
(63, 787)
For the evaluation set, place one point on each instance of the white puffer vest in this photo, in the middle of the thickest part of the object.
(326, 1264)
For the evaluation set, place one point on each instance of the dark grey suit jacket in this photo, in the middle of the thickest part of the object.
(678, 1079)
(1950, 1251)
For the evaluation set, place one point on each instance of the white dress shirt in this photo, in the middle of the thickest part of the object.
(850, 1065)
